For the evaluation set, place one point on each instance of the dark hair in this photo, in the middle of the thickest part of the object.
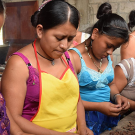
(104, 8)
(2, 7)
(111, 24)
(55, 13)
(131, 23)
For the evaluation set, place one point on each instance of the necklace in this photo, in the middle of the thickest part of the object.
(99, 68)
(52, 60)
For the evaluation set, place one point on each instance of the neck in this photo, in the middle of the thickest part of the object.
(95, 58)
(90, 51)
(41, 52)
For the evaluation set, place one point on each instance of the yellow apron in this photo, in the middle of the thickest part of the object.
(58, 101)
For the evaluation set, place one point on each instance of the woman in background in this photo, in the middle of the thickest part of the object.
(128, 49)
(125, 69)
(96, 74)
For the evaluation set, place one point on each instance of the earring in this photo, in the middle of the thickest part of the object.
(91, 43)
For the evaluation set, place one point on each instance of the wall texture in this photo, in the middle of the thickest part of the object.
(88, 10)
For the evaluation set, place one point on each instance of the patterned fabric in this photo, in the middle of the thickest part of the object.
(4, 120)
(94, 85)
(128, 68)
(32, 94)
(94, 88)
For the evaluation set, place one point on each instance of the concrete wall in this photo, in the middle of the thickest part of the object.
(88, 10)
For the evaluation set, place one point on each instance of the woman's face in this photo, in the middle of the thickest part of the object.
(103, 45)
(54, 42)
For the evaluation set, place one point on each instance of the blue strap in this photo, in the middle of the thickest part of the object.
(80, 55)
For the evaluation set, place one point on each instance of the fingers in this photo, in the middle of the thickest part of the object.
(123, 112)
(116, 106)
(126, 106)
(115, 110)
(89, 132)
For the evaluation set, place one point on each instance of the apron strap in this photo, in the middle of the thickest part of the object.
(36, 55)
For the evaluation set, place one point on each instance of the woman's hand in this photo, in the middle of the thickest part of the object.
(83, 130)
(109, 109)
(123, 102)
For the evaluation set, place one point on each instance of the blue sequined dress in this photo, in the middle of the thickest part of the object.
(94, 88)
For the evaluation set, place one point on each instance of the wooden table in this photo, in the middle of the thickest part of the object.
(122, 125)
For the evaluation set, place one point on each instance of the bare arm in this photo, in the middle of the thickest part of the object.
(81, 124)
(14, 128)
(121, 82)
(14, 91)
(106, 108)
(127, 50)
(120, 79)
(121, 101)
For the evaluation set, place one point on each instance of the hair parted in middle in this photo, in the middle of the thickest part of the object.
(54, 13)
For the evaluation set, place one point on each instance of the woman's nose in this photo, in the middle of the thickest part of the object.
(110, 51)
(64, 44)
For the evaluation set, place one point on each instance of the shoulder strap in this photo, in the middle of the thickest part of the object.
(109, 59)
(69, 61)
(80, 55)
(23, 57)
(77, 51)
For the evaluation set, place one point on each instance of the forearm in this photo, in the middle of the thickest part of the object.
(114, 90)
(80, 114)
(92, 106)
(31, 128)
(14, 128)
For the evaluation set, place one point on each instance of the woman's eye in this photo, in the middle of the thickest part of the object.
(70, 39)
(59, 39)
(108, 46)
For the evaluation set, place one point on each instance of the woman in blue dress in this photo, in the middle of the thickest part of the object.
(95, 71)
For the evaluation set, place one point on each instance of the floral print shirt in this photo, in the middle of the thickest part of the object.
(4, 120)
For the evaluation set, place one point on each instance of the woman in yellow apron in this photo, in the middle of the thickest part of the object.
(39, 85)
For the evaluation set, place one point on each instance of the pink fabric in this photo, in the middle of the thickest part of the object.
(32, 95)
(75, 43)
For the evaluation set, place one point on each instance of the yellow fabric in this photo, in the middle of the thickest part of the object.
(59, 98)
